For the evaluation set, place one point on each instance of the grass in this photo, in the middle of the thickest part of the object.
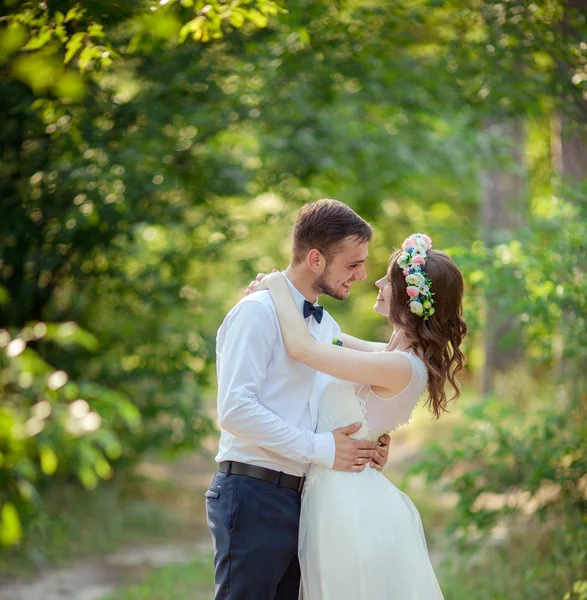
(538, 561)
(193, 580)
(534, 562)
(78, 523)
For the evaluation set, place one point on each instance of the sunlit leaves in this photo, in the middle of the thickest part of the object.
(73, 45)
(48, 459)
(49, 32)
(10, 525)
(70, 334)
(12, 39)
(51, 425)
(212, 18)
(508, 56)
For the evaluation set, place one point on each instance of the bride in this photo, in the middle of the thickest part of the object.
(360, 537)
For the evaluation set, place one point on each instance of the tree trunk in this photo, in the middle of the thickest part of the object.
(569, 163)
(504, 209)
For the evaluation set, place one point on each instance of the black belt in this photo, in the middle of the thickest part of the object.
(279, 478)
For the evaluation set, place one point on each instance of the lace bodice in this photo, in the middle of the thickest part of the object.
(343, 403)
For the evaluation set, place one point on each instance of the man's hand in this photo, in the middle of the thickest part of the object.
(352, 455)
(382, 449)
(257, 284)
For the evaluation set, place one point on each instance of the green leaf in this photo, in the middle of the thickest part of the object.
(103, 468)
(48, 459)
(96, 30)
(70, 334)
(4, 295)
(40, 40)
(260, 20)
(89, 53)
(10, 526)
(73, 45)
(88, 477)
(11, 40)
(72, 87)
(39, 72)
(236, 19)
(74, 14)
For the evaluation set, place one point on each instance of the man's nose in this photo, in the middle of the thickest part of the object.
(362, 274)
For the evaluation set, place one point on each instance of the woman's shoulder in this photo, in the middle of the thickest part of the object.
(417, 363)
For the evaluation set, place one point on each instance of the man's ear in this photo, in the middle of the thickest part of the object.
(315, 261)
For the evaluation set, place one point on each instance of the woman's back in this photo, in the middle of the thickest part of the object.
(343, 403)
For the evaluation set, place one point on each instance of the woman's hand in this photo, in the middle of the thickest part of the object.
(259, 283)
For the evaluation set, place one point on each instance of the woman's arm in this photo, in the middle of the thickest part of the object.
(383, 369)
(348, 341)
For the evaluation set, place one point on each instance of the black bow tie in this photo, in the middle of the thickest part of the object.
(310, 309)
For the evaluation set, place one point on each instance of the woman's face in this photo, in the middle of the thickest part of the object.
(383, 302)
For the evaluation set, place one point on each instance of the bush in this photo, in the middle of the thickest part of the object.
(518, 464)
(52, 426)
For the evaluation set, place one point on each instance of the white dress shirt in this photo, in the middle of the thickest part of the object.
(268, 402)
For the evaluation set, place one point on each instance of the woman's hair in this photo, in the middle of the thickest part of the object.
(437, 339)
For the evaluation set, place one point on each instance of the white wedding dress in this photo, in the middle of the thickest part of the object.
(360, 537)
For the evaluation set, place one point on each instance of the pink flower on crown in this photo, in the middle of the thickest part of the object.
(427, 240)
(413, 291)
(418, 260)
(406, 272)
(410, 242)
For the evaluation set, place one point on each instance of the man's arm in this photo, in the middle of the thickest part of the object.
(348, 341)
(250, 337)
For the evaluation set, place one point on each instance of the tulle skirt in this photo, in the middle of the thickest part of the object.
(362, 539)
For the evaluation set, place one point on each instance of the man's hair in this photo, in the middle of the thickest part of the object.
(324, 225)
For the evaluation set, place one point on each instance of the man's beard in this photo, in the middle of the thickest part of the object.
(323, 287)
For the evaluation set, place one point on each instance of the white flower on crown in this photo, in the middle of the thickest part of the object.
(416, 307)
(420, 249)
(416, 279)
(404, 260)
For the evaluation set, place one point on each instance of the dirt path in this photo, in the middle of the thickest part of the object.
(95, 578)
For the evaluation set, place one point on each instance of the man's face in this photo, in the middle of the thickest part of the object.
(342, 269)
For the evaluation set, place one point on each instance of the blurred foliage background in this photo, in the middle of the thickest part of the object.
(154, 156)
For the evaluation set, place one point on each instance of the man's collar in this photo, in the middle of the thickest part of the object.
(298, 297)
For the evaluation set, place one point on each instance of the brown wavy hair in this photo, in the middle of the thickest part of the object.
(437, 341)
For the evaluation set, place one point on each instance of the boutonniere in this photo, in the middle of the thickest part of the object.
(336, 341)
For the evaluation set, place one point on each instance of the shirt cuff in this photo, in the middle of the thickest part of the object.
(324, 449)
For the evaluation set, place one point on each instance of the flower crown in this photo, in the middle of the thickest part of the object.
(412, 261)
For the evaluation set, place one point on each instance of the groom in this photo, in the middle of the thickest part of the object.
(268, 412)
